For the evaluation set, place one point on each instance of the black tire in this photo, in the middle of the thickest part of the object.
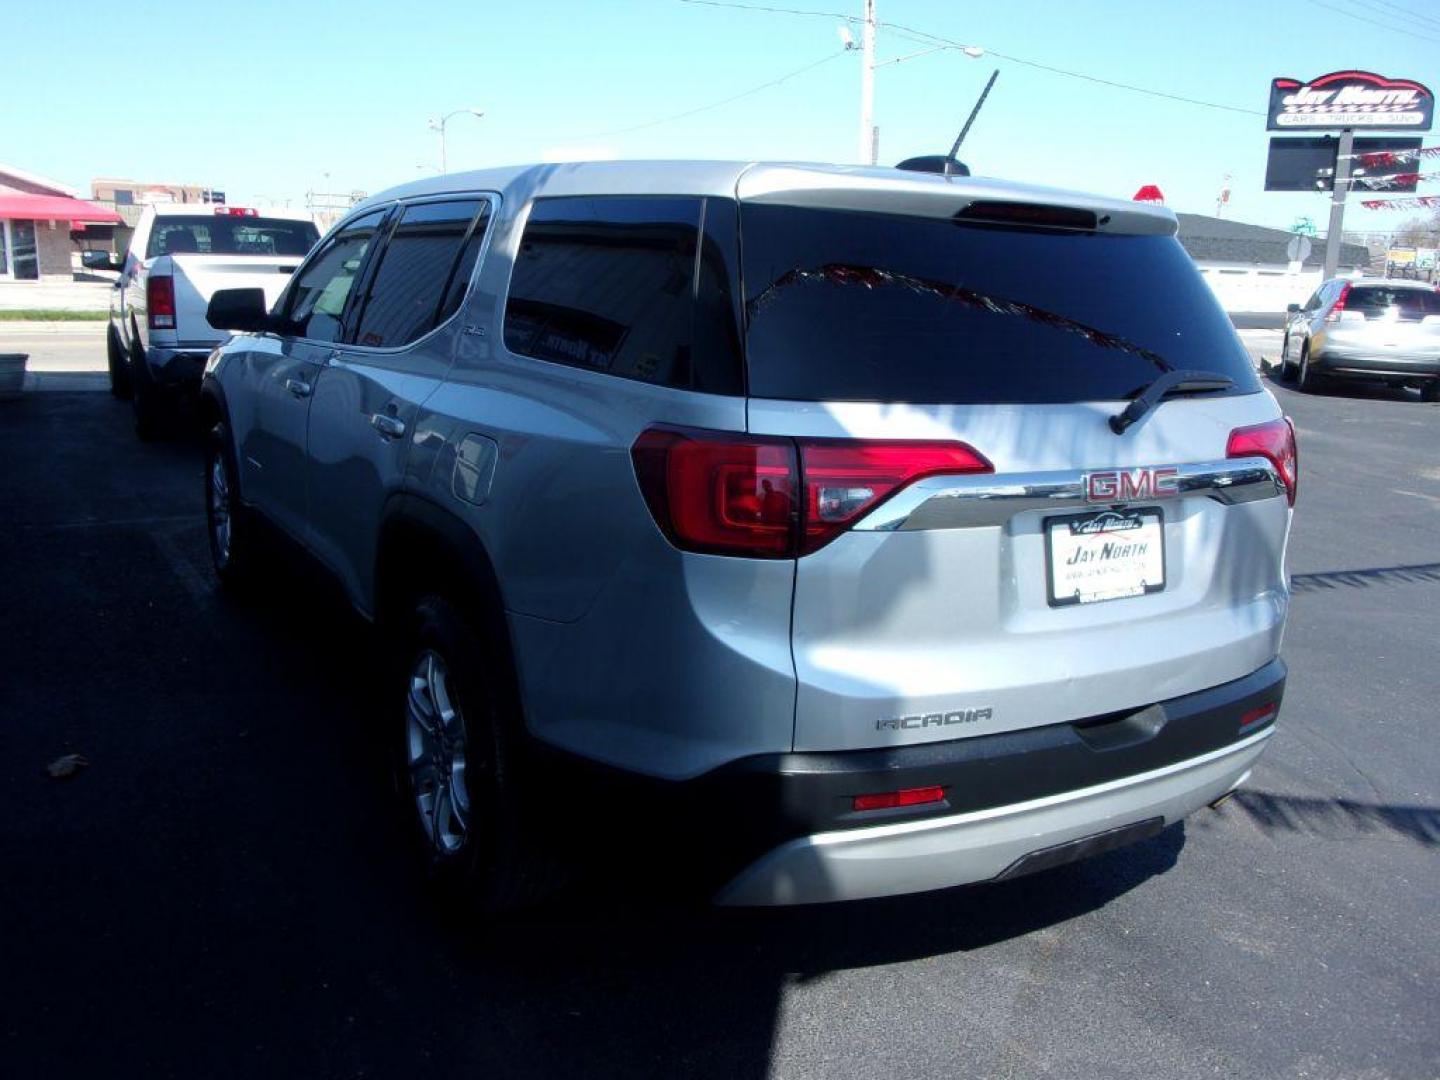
(119, 369)
(1307, 380)
(235, 554)
(1430, 392)
(498, 864)
(152, 406)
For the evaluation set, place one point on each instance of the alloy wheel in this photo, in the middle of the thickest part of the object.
(435, 755)
(220, 511)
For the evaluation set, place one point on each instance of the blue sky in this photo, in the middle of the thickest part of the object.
(264, 98)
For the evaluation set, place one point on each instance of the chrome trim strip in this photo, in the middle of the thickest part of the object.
(969, 502)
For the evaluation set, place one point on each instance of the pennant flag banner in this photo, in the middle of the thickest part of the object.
(1383, 183)
(1376, 158)
(1419, 202)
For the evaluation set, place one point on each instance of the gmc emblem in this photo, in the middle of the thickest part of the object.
(1127, 485)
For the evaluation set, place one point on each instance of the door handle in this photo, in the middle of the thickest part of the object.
(298, 387)
(391, 427)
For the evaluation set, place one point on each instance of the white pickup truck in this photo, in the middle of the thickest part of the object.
(182, 253)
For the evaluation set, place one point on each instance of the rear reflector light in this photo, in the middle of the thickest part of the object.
(770, 497)
(1257, 716)
(160, 302)
(889, 800)
(236, 211)
(1274, 441)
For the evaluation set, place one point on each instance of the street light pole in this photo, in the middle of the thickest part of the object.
(438, 124)
(869, 133)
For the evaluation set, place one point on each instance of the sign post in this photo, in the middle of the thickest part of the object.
(1337, 204)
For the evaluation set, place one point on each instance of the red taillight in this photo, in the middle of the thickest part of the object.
(727, 494)
(1333, 315)
(1274, 441)
(772, 497)
(846, 479)
(160, 302)
(236, 211)
(889, 800)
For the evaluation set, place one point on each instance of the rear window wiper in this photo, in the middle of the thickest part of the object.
(1172, 382)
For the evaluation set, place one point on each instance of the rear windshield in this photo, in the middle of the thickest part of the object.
(875, 307)
(1407, 305)
(224, 235)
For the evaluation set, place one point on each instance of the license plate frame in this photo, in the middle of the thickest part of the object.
(1145, 515)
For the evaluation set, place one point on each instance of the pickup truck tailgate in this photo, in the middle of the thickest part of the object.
(198, 277)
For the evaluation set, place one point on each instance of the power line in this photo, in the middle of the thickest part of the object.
(716, 104)
(1408, 13)
(925, 35)
(1374, 22)
(1080, 74)
(772, 10)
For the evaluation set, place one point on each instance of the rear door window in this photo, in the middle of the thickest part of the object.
(230, 235)
(410, 289)
(1404, 305)
(844, 305)
(637, 287)
(315, 301)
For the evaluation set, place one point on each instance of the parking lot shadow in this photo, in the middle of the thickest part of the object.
(1414, 574)
(224, 889)
(1338, 818)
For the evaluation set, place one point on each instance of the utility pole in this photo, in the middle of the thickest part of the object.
(1337, 203)
(869, 151)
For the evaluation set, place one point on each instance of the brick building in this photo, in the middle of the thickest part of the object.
(36, 219)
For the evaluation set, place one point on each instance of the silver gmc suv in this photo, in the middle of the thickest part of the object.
(843, 532)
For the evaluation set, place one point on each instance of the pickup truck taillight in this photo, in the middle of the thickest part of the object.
(720, 493)
(160, 302)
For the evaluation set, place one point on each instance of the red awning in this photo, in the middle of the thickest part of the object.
(55, 208)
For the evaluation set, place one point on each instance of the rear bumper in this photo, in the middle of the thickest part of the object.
(1376, 362)
(178, 365)
(982, 845)
(782, 828)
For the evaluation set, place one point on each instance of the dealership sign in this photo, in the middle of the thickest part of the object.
(1349, 99)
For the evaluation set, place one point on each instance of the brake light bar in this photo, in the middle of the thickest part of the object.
(160, 302)
(1274, 441)
(762, 496)
(1034, 215)
(236, 211)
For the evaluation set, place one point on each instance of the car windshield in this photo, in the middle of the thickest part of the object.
(1405, 305)
(226, 235)
(854, 306)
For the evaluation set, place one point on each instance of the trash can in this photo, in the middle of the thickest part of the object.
(12, 375)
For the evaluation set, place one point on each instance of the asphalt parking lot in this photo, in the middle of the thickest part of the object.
(221, 891)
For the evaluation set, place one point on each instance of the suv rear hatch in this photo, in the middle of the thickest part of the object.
(1400, 322)
(971, 604)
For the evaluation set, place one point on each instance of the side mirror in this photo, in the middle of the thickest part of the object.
(1292, 308)
(98, 260)
(241, 310)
